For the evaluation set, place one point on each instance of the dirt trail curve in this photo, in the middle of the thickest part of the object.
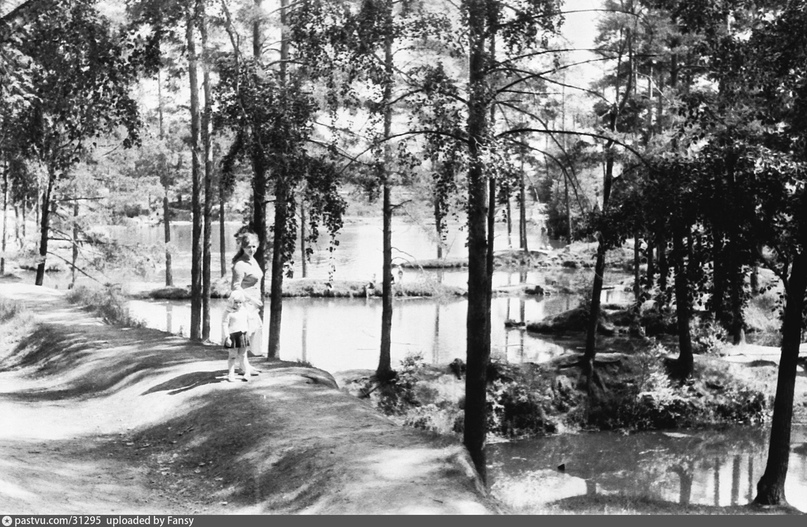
(97, 419)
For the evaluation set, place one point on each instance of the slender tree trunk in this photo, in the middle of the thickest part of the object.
(439, 226)
(39, 195)
(17, 234)
(522, 218)
(384, 370)
(478, 318)
(569, 234)
(259, 168)
(594, 315)
(637, 262)
(686, 360)
(283, 195)
(303, 255)
(207, 234)
(166, 182)
(596, 289)
(196, 182)
(599, 267)
(717, 300)
(492, 23)
(651, 264)
(74, 252)
(222, 232)
(736, 279)
(771, 487)
(663, 267)
(169, 274)
(508, 207)
(278, 263)
(5, 219)
(44, 226)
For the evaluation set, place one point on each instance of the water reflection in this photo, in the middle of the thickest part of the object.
(719, 468)
(338, 334)
(357, 257)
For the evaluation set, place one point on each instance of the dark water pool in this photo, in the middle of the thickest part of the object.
(707, 467)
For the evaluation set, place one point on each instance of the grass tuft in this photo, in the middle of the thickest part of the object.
(108, 303)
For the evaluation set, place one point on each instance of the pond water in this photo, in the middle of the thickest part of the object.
(357, 257)
(705, 467)
(337, 334)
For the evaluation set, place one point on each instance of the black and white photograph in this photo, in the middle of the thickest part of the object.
(519, 258)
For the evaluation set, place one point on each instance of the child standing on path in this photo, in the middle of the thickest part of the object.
(235, 330)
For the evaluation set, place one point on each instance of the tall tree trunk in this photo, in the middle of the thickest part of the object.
(222, 232)
(522, 217)
(17, 235)
(169, 274)
(439, 226)
(599, 267)
(590, 352)
(384, 370)
(771, 487)
(74, 252)
(492, 24)
(208, 177)
(5, 219)
(24, 219)
(637, 261)
(303, 255)
(717, 299)
(736, 282)
(259, 167)
(283, 195)
(196, 181)
(686, 360)
(663, 268)
(279, 257)
(569, 233)
(509, 209)
(478, 318)
(166, 182)
(44, 226)
(651, 264)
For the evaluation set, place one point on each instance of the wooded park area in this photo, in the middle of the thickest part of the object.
(689, 138)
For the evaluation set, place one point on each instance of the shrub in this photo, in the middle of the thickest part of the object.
(398, 396)
(516, 411)
(708, 336)
(763, 317)
(435, 418)
(108, 303)
(743, 405)
(10, 309)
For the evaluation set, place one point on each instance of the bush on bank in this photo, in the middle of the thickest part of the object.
(316, 288)
(529, 400)
(108, 303)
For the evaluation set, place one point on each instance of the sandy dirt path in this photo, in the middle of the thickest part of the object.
(96, 419)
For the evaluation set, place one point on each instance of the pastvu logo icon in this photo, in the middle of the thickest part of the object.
(6, 521)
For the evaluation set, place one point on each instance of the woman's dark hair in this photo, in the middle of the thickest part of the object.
(243, 238)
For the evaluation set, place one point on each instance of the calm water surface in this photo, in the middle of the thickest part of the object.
(357, 257)
(707, 467)
(342, 334)
(337, 334)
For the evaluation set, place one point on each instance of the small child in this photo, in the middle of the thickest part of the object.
(235, 330)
